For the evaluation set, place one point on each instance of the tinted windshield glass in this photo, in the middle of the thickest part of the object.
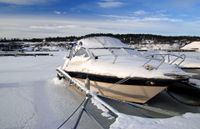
(101, 52)
(81, 52)
(132, 51)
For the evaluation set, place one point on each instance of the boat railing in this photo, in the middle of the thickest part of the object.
(110, 50)
(153, 58)
(167, 58)
(176, 58)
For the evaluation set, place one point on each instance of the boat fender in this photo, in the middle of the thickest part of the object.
(150, 83)
(87, 83)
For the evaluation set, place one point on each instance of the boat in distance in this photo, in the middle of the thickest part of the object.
(118, 71)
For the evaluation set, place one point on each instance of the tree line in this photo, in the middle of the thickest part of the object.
(127, 38)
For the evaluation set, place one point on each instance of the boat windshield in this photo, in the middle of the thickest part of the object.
(112, 51)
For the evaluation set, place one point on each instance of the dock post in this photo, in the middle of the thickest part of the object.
(87, 83)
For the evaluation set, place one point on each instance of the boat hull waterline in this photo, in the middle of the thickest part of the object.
(130, 93)
(125, 91)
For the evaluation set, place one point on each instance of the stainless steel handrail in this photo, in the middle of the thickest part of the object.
(163, 59)
(182, 56)
(151, 57)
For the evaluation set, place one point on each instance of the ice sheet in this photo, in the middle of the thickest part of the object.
(32, 98)
(186, 121)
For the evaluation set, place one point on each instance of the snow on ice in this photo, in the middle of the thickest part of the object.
(186, 121)
(31, 97)
(105, 112)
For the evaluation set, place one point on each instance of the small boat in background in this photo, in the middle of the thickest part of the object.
(193, 46)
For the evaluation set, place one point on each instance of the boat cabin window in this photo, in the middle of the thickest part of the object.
(114, 52)
(101, 52)
(118, 52)
(109, 52)
(132, 51)
(81, 52)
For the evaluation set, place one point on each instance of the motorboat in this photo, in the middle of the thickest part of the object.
(193, 46)
(117, 71)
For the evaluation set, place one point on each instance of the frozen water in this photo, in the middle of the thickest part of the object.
(186, 121)
(32, 98)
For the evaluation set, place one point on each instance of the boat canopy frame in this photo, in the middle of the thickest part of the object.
(163, 58)
(90, 54)
(169, 59)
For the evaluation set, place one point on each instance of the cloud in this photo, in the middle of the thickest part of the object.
(140, 12)
(110, 4)
(22, 2)
(53, 27)
(142, 18)
(59, 12)
(39, 27)
(157, 13)
(165, 19)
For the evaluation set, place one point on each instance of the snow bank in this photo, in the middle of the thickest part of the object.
(192, 46)
(101, 107)
(186, 121)
(57, 82)
(123, 121)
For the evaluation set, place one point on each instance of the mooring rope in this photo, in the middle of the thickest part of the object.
(72, 114)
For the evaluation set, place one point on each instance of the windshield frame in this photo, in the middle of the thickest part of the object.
(110, 49)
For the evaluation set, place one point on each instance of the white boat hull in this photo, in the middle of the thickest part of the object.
(130, 93)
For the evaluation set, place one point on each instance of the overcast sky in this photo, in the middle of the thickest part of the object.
(44, 18)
